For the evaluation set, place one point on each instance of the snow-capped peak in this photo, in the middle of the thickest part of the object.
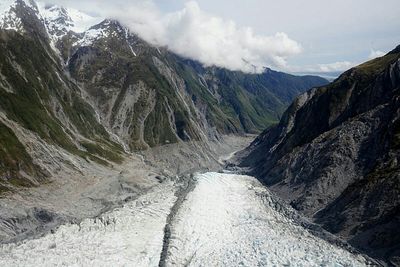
(57, 20)
(60, 20)
(5, 6)
(106, 29)
(8, 13)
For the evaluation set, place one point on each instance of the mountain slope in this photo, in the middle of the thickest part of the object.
(98, 92)
(37, 96)
(202, 102)
(335, 153)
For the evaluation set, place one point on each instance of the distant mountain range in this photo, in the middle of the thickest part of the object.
(330, 76)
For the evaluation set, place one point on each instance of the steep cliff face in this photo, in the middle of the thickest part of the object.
(38, 99)
(335, 156)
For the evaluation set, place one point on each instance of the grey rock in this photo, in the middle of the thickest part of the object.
(334, 156)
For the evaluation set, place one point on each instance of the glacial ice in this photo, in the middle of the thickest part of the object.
(231, 220)
(128, 236)
(226, 220)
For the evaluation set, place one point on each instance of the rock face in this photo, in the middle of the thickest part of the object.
(100, 91)
(335, 156)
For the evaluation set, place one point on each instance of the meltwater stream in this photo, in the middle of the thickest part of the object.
(225, 220)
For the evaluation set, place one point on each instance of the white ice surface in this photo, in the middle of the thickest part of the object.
(128, 236)
(229, 220)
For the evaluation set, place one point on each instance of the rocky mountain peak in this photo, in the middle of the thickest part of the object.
(102, 31)
(13, 13)
(60, 20)
(57, 20)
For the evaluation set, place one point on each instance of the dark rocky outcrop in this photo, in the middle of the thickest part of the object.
(335, 156)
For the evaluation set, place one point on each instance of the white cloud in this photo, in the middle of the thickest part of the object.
(195, 34)
(339, 66)
(375, 54)
(336, 66)
(214, 41)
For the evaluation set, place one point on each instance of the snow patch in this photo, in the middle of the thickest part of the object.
(8, 17)
(66, 19)
(127, 41)
(90, 36)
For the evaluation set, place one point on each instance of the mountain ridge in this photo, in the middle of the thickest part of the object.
(104, 92)
(334, 156)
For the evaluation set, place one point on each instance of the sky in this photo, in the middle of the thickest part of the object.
(287, 35)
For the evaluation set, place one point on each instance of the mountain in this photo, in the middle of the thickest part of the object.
(335, 156)
(330, 76)
(70, 88)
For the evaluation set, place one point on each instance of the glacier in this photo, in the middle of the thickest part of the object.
(224, 220)
(128, 236)
(233, 220)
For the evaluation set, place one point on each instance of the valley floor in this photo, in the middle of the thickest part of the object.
(223, 220)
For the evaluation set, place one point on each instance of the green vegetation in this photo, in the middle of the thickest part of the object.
(41, 88)
(238, 103)
(13, 159)
(377, 65)
(47, 103)
(96, 149)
